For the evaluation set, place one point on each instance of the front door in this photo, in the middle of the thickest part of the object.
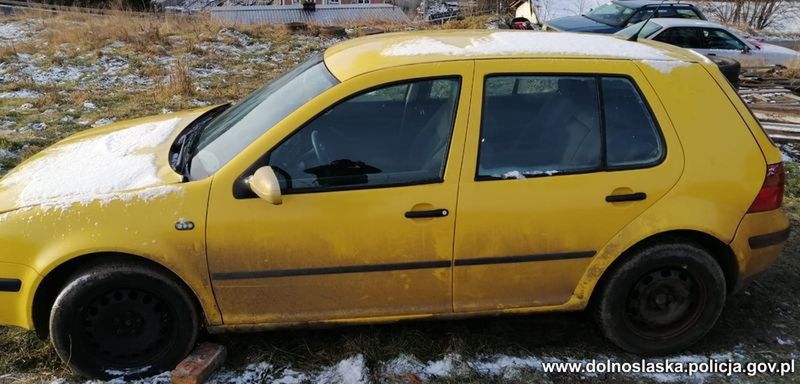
(365, 228)
(560, 156)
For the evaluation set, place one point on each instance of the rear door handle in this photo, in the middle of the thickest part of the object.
(424, 214)
(638, 196)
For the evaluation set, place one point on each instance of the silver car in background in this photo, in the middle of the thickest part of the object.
(712, 39)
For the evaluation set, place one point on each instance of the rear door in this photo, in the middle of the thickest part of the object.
(560, 156)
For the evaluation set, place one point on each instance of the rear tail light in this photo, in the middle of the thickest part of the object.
(771, 194)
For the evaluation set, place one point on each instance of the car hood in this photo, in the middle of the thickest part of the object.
(580, 24)
(110, 162)
(767, 54)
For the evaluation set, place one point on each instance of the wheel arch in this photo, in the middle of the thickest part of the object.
(54, 281)
(721, 252)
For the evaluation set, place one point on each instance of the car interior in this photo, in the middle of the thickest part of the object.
(395, 134)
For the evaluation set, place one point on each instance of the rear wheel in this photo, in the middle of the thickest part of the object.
(123, 320)
(662, 299)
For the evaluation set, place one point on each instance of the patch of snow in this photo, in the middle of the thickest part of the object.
(4, 153)
(20, 94)
(781, 341)
(665, 67)
(126, 372)
(37, 126)
(521, 42)
(348, 371)
(162, 378)
(450, 365)
(89, 105)
(103, 121)
(403, 366)
(352, 370)
(23, 107)
(95, 168)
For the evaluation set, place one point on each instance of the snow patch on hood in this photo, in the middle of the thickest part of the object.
(504, 43)
(94, 168)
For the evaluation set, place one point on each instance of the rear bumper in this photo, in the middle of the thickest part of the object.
(758, 243)
(16, 294)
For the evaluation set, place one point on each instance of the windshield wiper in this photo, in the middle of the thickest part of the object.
(185, 146)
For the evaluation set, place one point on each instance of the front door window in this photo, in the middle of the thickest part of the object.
(393, 135)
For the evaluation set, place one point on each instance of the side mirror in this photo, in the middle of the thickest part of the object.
(265, 184)
(746, 49)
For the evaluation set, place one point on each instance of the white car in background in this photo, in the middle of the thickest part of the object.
(713, 39)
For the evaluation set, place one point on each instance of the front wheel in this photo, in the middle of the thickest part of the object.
(123, 320)
(662, 299)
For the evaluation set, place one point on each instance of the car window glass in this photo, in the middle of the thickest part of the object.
(682, 37)
(648, 30)
(632, 137)
(394, 135)
(611, 14)
(551, 127)
(686, 13)
(719, 39)
(236, 128)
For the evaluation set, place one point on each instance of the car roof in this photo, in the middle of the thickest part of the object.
(678, 22)
(642, 3)
(362, 55)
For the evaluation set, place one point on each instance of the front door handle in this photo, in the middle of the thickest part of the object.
(424, 214)
(637, 196)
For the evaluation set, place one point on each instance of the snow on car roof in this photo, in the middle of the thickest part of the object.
(354, 57)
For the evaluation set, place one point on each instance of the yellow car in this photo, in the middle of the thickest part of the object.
(402, 176)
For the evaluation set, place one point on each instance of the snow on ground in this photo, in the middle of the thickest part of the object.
(16, 32)
(352, 370)
(450, 367)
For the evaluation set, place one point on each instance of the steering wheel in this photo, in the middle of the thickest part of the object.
(319, 149)
(319, 140)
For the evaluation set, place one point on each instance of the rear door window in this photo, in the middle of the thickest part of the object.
(632, 137)
(546, 125)
(682, 37)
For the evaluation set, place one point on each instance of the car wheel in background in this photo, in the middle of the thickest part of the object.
(662, 299)
(123, 319)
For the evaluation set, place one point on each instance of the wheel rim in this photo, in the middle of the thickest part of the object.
(128, 327)
(665, 302)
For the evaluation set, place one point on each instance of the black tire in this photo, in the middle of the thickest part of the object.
(123, 319)
(661, 299)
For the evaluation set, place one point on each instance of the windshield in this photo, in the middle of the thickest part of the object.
(233, 130)
(611, 14)
(648, 30)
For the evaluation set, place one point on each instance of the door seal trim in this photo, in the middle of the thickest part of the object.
(398, 266)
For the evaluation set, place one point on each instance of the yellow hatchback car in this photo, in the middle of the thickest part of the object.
(402, 176)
